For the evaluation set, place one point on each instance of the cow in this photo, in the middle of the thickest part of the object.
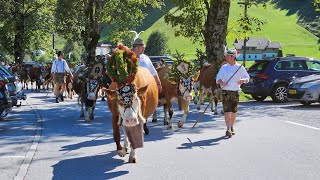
(172, 91)
(131, 105)
(87, 88)
(21, 71)
(207, 86)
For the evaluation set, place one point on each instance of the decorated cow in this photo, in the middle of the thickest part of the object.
(177, 84)
(87, 81)
(132, 98)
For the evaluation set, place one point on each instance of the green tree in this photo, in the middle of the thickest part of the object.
(205, 21)
(317, 4)
(73, 52)
(83, 20)
(157, 44)
(24, 24)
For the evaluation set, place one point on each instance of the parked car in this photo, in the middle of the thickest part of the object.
(5, 99)
(272, 77)
(14, 86)
(306, 89)
(156, 59)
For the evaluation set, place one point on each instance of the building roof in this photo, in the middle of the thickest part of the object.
(259, 43)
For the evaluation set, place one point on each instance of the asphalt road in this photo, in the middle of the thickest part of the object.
(46, 140)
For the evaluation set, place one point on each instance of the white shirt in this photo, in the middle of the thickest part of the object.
(59, 66)
(226, 71)
(146, 62)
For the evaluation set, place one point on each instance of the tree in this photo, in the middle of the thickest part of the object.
(83, 20)
(317, 4)
(205, 21)
(23, 25)
(72, 52)
(157, 44)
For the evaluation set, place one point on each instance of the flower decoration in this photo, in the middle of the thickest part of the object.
(122, 65)
(182, 67)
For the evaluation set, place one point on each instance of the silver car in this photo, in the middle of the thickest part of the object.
(306, 89)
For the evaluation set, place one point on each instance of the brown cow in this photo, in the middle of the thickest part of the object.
(206, 85)
(172, 91)
(87, 89)
(134, 107)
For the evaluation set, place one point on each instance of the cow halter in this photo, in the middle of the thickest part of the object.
(187, 83)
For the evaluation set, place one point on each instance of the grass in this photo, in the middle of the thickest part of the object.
(281, 27)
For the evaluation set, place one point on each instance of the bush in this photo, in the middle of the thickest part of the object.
(157, 44)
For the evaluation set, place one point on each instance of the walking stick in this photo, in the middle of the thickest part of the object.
(201, 115)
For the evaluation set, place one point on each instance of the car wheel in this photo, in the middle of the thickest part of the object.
(258, 98)
(279, 93)
(305, 103)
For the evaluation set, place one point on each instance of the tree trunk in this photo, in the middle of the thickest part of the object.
(216, 31)
(19, 34)
(92, 31)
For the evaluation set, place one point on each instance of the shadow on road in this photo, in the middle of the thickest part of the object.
(90, 167)
(207, 142)
(84, 144)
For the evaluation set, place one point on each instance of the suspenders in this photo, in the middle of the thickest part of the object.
(57, 63)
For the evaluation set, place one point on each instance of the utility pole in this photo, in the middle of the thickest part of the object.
(53, 46)
(245, 3)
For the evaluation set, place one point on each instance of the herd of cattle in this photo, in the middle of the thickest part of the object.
(144, 97)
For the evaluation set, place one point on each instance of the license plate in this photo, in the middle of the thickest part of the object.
(292, 91)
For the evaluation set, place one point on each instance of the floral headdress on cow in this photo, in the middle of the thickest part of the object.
(181, 68)
(122, 67)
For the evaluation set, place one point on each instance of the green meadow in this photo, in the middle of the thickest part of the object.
(280, 27)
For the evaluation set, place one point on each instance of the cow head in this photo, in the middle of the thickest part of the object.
(129, 104)
(185, 87)
(92, 88)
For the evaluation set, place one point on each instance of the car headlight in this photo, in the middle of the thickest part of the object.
(307, 85)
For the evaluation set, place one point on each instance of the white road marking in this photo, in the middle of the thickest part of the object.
(303, 125)
(11, 157)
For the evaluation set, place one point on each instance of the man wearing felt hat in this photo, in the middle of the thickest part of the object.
(230, 77)
(138, 49)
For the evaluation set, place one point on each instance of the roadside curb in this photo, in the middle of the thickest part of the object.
(23, 170)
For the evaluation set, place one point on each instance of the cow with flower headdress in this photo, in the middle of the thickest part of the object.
(132, 98)
(177, 84)
(88, 79)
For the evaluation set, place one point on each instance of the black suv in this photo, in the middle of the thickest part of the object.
(156, 59)
(14, 85)
(272, 77)
(5, 100)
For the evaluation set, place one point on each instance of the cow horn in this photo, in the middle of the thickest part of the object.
(196, 75)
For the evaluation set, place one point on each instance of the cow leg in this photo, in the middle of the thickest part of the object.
(165, 110)
(212, 101)
(82, 111)
(132, 157)
(92, 111)
(169, 106)
(89, 112)
(215, 105)
(185, 108)
(200, 101)
(154, 116)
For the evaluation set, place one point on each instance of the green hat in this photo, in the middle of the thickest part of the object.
(138, 41)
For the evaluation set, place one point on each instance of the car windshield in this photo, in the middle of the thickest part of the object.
(259, 66)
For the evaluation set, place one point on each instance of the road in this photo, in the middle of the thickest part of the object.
(45, 140)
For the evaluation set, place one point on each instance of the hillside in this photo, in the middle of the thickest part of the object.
(281, 27)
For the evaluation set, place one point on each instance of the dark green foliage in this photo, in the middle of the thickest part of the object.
(157, 44)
